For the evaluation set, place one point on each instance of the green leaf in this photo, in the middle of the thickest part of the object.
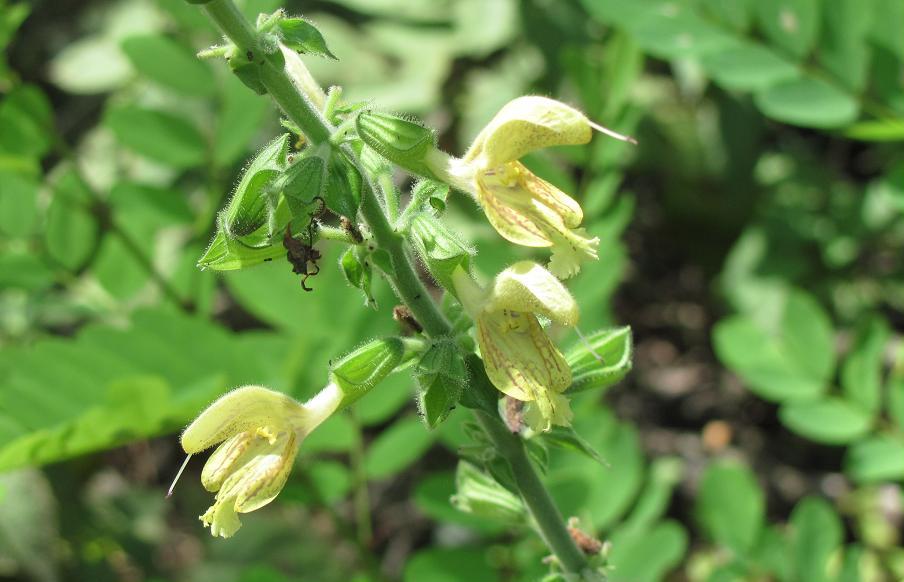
(896, 399)
(665, 473)
(649, 555)
(678, 33)
(71, 231)
(300, 35)
(379, 406)
(582, 487)
(18, 204)
(396, 448)
(240, 119)
(816, 534)
(565, 437)
(786, 357)
(843, 48)
(165, 61)
(90, 65)
(737, 15)
(793, 25)
(20, 270)
(748, 67)
(113, 384)
(159, 135)
(829, 420)
(449, 565)
(330, 480)
(808, 102)
(338, 434)
(861, 374)
(27, 121)
(601, 361)
(876, 459)
(433, 495)
(731, 506)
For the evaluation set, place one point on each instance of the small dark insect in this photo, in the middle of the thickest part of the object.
(513, 414)
(352, 229)
(406, 319)
(299, 253)
(587, 543)
(250, 55)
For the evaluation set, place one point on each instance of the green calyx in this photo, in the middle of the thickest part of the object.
(402, 141)
(440, 249)
(365, 367)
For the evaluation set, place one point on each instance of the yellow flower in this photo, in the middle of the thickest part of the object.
(523, 208)
(260, 431)
(520, 359)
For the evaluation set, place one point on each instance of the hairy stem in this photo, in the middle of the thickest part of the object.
(407, 285)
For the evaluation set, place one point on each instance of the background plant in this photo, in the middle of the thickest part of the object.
(733, 215)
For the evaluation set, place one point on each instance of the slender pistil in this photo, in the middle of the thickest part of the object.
(169, 492)
(614, 134)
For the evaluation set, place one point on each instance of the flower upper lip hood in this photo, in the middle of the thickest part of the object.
(521, 361)
(260, 431)
(524, 125)
(523, 208)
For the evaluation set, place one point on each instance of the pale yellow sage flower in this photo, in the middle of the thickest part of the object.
(260, 431)
(523, 208)
(520, 358)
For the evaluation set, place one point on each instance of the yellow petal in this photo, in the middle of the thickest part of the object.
(520, 359)
(243, 409)
(552, 409)
(222, 519)
(549, 196)
(569, 252)
(235, 453)
(528, 287)
(526, 124)
(525, 209)
(267, 474)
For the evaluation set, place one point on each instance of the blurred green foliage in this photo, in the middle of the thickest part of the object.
(770, 161)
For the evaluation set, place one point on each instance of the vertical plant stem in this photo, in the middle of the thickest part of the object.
(533, 491)
(361, 495)
(409, 288)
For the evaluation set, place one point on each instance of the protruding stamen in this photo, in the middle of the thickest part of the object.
(589, 347)
(169, 492)
(614, 134)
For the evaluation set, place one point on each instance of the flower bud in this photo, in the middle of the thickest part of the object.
(404, 142)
